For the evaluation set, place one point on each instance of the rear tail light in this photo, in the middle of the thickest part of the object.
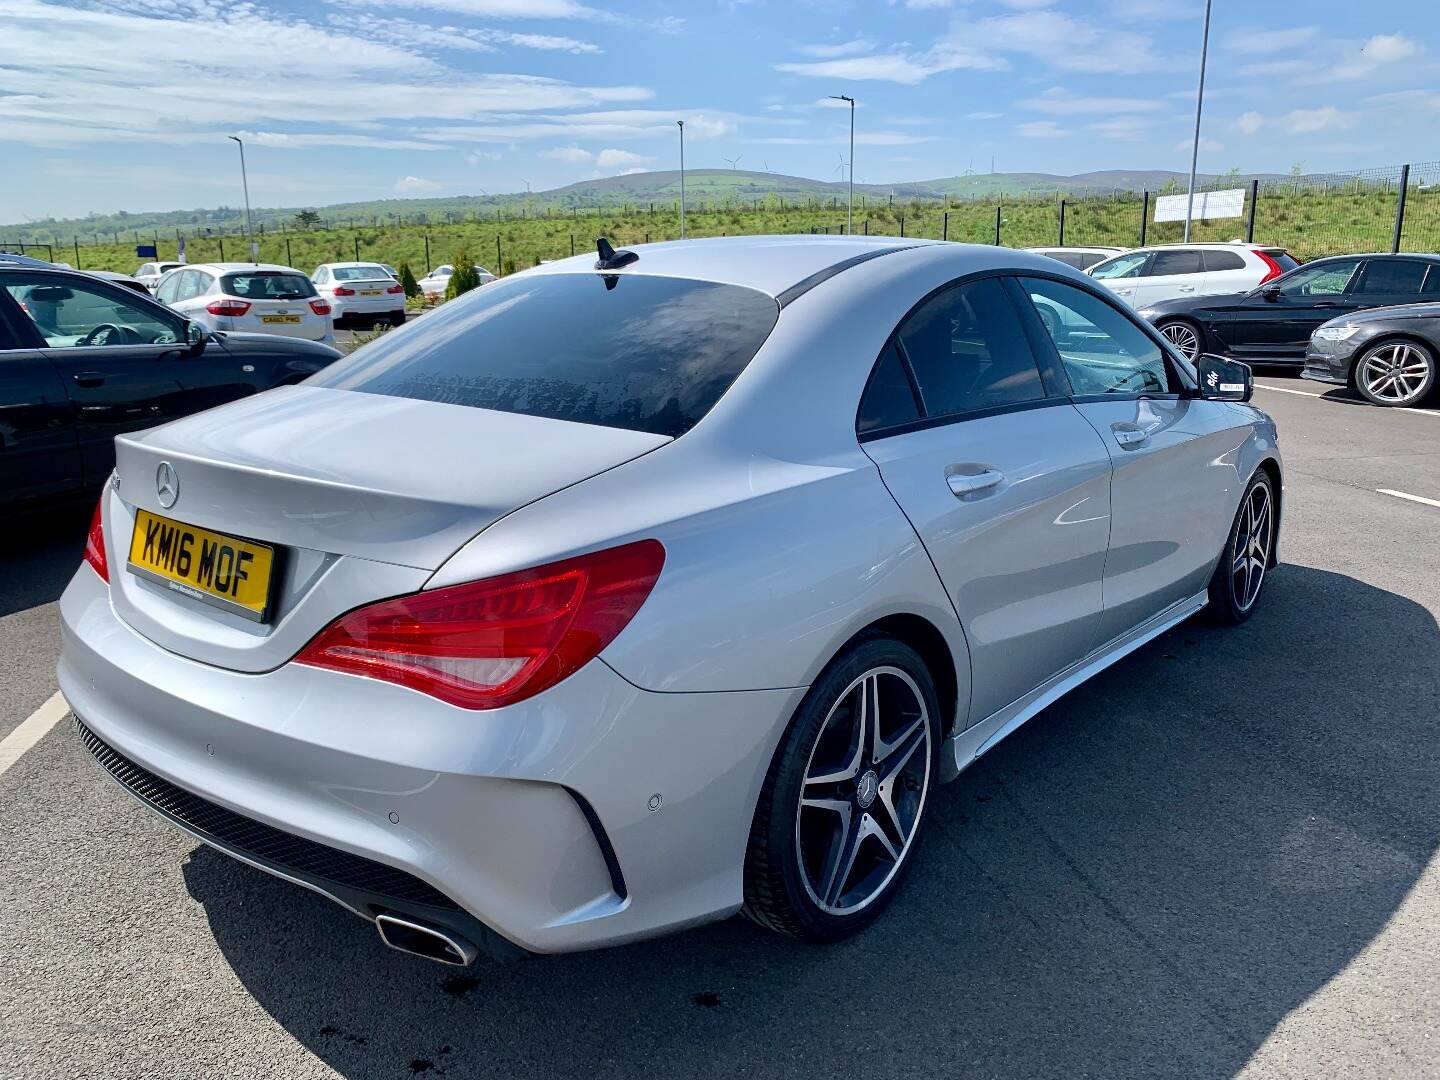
(395, 289)
(231, 308)
(320, 307)
(340, 290)
(1273, 270)
(95, 543)
(495, 642)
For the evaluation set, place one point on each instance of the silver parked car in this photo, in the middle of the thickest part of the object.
(622, 595)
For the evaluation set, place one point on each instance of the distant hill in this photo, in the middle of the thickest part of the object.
(702, 186)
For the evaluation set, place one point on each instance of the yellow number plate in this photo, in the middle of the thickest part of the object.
(222, 570)
(369, 292)
(280, 318)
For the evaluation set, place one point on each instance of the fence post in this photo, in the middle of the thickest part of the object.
(289, 259)
(499, 259)
(1400, 207)
(867, 226)
(1144, 217)
(572, 245)
(1250, 218)
(77, 253)
(902, 224)
(427, 253)
(1061, 241)
(222, 248)
(357, 249)
(997, 226)
(945, 226)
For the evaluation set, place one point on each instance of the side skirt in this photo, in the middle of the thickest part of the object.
(969, 745)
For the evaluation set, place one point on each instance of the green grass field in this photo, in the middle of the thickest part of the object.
(1307, 222)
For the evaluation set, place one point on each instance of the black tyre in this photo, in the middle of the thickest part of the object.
(1184, 335)
(1240, 574)
(843, 805)
(1395, 374)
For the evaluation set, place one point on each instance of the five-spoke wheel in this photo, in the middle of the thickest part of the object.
(844, 802)
(1235, 588)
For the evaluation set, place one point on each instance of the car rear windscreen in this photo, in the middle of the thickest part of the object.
(1281, 258)
(360, 273)
(268, 285)
(627, 350)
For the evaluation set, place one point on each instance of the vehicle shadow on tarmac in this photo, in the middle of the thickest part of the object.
(1145, 880)
(39, 555)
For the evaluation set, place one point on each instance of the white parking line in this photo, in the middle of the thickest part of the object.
(1286, 390)
(1407, 495)
(31, 730)
(1311, 393)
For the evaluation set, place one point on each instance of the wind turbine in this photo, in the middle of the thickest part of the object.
(733, 161)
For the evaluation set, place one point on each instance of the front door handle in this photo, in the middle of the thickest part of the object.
(1185, 288)
(968, 483)
(1129, 436)
(89, 378)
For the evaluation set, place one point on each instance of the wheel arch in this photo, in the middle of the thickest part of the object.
(922, 635)
(1271, 467)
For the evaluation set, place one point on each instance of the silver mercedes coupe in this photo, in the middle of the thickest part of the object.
(633, 592)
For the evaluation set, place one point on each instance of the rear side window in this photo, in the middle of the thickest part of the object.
(968, 351)
(889, 400)
(626, 351)
(1390, 276)
(267, 285)
(1176, 262)
(1223, 260)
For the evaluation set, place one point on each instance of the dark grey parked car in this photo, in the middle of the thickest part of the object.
(1387, 354)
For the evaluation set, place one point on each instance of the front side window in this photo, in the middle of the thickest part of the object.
(1103, 351)
(1122, 266)
(628, 351)
(1176, 262)
(167, 290)
(268, 285)
(1324, 279)
(75, 314)
(1388, 277)
(968, 351)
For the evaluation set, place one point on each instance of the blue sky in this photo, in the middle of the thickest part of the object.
(125, 104)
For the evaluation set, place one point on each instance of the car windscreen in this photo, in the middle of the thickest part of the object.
(267, 285)
(359, 273)
(627, 351)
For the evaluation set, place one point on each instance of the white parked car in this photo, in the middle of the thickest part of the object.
(1149, 275)
(258, 298)
(434, 283)
(149, 274)
(361, 291)
(1081, 258)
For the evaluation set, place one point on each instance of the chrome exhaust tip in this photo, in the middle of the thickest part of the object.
(419, 939)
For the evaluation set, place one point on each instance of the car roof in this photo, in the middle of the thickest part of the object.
(342, 265)
(237, 267)
(770, 264)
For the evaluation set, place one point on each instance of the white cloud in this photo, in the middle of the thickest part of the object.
(1057, 101)
(1324, 118)
(1248, 123)
(416, 35)
(571, 155)
(1060, 41)
(621, 159)
(906, 68)
(1042, 129)
(1257, 41)
(1124, 128)
(1026, 5)
(983, 116)
(416, 185)
(1380, 50)
(829, 52)
(1276, 69)
(1186, 145)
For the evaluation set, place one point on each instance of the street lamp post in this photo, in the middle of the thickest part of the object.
(1199, 104)
(850, 199)
(245, 183)
(681, 123)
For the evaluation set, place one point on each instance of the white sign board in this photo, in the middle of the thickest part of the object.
(1208, 204)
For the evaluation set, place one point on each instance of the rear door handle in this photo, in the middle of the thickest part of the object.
(968, 483)
(89, 378)
(1185, 288)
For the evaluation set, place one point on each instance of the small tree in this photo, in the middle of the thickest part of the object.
(465, 276)
(407, 280)
(307, 219)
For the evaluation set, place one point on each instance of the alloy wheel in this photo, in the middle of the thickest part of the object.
(1183, 338)
(864, 790)
(1252, 548)
(1396, 373)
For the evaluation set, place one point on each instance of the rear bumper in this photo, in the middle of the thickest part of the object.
(534, 821)
(342, 306)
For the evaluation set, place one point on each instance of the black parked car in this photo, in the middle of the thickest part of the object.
(83, 360)
(1273, 324)
(1387, 354)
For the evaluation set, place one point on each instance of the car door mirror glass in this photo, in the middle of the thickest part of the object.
(1222, 379)
(195, 335)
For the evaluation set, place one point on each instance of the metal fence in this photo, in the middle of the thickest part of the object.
(1385, 209)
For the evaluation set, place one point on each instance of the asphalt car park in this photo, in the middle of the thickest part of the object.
(1218, 857)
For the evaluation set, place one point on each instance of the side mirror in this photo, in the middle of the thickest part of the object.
(1224, 380)
(1271, 293)
(195, 336)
